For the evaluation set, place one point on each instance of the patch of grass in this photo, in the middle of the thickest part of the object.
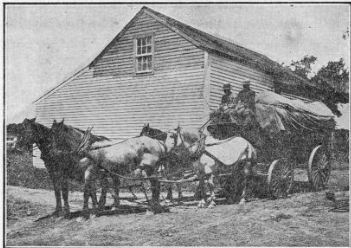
(21, 172)
(18, 208)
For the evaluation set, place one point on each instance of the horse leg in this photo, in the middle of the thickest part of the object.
(197, 195)
(57, 187)
(180, 195)
(202, 193)
(169, 193)
(65, 196)
(93, 196)
(155, 189)
(104, 186)
(211, 186)
(247, 179)
(144, 189)
(130, 188)
(206, 166)
(116, 183)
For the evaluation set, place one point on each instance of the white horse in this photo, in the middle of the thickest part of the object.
(234, 155)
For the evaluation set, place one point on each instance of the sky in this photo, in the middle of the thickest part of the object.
(44, 44)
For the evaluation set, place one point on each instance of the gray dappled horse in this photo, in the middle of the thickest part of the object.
(117, 159)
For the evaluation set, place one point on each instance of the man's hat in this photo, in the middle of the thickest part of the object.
(247, 82)
(226, 87)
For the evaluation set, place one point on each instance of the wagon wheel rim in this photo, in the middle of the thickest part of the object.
(319, 168)
(280, 178)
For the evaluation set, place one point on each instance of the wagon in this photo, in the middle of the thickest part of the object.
(294, 142)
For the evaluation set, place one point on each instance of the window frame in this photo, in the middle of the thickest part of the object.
(151, 54)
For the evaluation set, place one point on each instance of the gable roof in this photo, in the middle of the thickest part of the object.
(212, 44)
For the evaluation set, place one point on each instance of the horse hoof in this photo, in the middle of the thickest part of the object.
(201, 204)
(57, 213)
(212, 205)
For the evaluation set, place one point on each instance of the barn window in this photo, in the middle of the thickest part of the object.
(144, 54)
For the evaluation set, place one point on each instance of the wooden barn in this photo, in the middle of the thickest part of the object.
(160, 71)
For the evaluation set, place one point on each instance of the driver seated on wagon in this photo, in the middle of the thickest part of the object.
(240, 108)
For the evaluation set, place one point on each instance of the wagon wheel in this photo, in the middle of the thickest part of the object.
(318, 168)
(280, 178)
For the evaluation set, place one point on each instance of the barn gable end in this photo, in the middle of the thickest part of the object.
(110, 96)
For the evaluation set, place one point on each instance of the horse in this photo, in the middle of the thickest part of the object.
(59, 167)
(69, 148)
(117, 159)
(235, 155)
(169, 163)
(180, 157)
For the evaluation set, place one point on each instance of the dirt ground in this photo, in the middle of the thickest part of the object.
(303, 219)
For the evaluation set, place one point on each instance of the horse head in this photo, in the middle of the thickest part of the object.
(28, 133)
(153, 133)
(73, 139)
(66, 137)
(145, 131)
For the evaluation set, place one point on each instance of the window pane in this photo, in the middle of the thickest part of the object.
(143, 50)
(143, 42)
(138, 42)
(148, 49)
(148, 40)
(149, 65)
(139, 50)
(139, 61)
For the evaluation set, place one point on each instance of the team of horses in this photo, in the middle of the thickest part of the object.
(70, 152)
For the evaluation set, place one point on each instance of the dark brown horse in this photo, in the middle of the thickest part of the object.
(59, 166)
(70, 142)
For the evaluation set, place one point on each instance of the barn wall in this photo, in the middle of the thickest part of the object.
(117, 102)
(223, 71)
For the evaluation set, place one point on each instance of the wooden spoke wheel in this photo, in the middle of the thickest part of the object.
(319, 168)
(280, 178)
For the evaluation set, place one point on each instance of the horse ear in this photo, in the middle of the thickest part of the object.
(147, 125)
(63, 119)
(33, 120)
(54, 121)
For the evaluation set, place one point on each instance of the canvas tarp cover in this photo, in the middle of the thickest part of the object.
(276, 113)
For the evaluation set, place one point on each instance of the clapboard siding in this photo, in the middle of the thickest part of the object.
(222, 71)
(171, 52)
(117, 102)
